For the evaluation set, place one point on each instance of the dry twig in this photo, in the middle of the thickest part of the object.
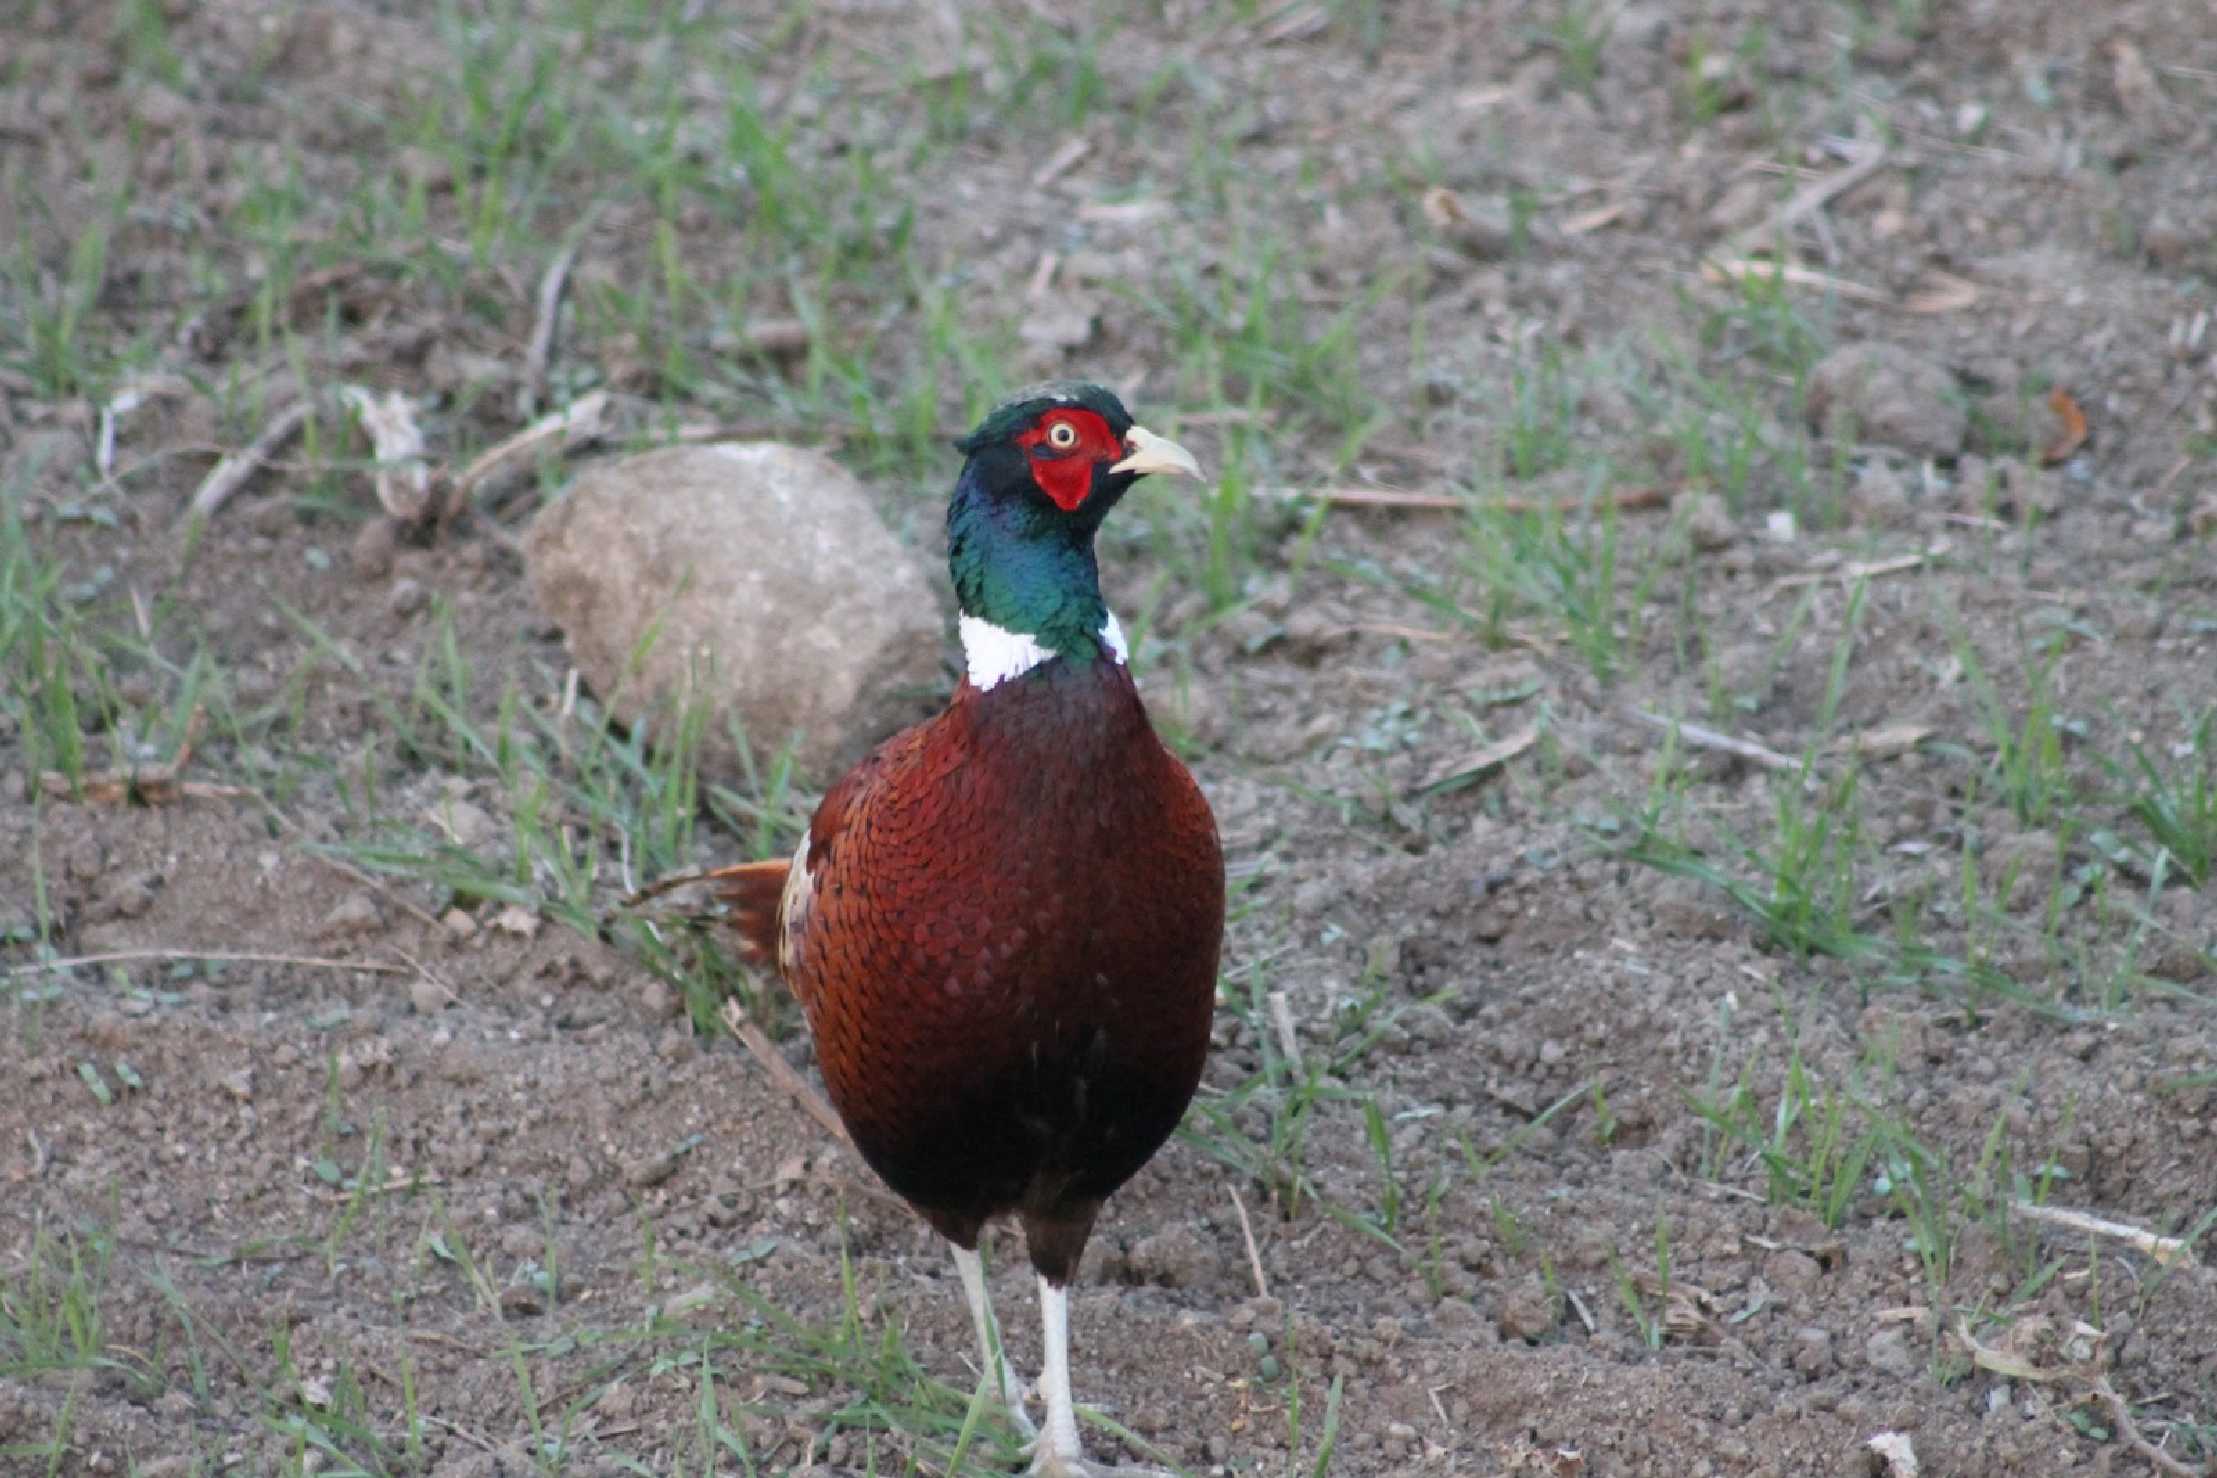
(230, 474)
(1848, 574)
(2120, 1416)
(1289, 1041)
(1706, 738)
(773, 1062)
(146, 785)
(1061, 162)
(539, 350)
(1806, 201)
(578, 424)
(213, 956)
(2165, 1250)
(1254, 1256)
(1624, 500)
(1481, 762)
(1792, 274)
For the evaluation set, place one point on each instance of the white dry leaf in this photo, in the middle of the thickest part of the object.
(403, 476)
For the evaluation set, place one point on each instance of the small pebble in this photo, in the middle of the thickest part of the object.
(1888, 1352)
(371, 553)
(354, 914)
(406, 597)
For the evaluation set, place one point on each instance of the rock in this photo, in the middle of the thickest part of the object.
(657, 999)
(1792, 1269)
(1483, 229)
(465, 823)
(2176, 954)
(2166, 242)
(1707, 520)
(652, 1170)
(1887, 395)
(522, 1298)
(354, 914)
(1888, 1353)
(1744, 203)
(1812, 1357)
(370, 553)
(1175, 1257)
(1879, 499)
(765, 578)
(406, 597)
(1527, 1311)
(160, 109)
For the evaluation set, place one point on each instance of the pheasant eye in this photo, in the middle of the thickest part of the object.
(1062, 436)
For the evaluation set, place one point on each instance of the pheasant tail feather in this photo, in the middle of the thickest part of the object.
(753, 890)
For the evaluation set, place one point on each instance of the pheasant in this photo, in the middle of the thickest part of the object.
(1003, 926)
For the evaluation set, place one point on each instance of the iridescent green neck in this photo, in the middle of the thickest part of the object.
(1026, 569)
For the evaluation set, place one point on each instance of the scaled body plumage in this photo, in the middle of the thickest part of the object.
(1004, 925)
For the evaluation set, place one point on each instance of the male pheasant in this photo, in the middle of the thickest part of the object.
(1003, 925)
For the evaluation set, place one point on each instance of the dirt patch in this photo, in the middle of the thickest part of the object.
(1669, 947)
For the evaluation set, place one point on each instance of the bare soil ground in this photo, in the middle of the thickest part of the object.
(1595, 1093)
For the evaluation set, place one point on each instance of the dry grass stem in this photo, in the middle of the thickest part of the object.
(1791, 274)
(2168, 1251)
(1289, 1040)
(773, 1062)
(578, 424)
(1403, 498)
(1706, 738)
(1254, 1254)
(539, 349)
(1806, 201)
(211, 956)
(231, 474)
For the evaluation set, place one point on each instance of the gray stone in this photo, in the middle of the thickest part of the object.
(769, 588)
(370, 552)
(1812, 1352)
(1707, 520)
(354, 914)
(1879, 498)
(1527, 1311)
(1886, 395)
(1888, 1353)
(1175, 1257)
(1792, 1269)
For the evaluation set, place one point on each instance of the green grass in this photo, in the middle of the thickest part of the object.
(590, 811)
(2175, 802)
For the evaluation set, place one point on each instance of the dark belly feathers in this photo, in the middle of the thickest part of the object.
(1008, 952)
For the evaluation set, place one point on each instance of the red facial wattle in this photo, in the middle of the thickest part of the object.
(1065, 472)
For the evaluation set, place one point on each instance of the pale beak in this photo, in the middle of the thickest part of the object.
(1148, 452)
